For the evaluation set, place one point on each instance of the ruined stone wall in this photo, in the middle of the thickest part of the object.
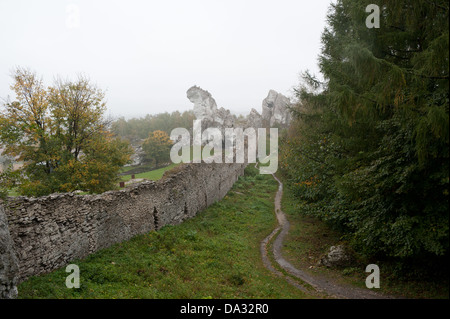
(49, 232)
(8, 261)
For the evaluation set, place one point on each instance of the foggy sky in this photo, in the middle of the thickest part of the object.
(147, 54)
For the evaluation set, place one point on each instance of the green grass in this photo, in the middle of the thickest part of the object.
(151, 175)
(13, 192)
(155, 174)
(213, 255)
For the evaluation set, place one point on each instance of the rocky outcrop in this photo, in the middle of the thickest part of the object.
(205, 106)
(205, 109)
(275, 109)
(254, 119)
(8, 261)
(224, 118)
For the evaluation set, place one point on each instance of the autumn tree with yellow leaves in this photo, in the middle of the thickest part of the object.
(61, 135)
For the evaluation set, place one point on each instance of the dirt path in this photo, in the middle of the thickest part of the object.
(318, 285)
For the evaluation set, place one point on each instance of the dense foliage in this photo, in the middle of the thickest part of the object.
(368, 151)
(157, 148)
(61, 136)
(140, 128)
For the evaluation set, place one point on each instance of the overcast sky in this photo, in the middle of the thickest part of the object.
(147, 54)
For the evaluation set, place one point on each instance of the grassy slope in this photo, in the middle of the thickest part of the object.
(13, 193)
(213, 255)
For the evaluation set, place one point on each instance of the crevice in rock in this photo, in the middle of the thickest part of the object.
(155, 218)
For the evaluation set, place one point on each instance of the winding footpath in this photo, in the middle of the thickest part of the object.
(315, 285)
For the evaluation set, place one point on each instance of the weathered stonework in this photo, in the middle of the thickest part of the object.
(49, 232)
(9, 269)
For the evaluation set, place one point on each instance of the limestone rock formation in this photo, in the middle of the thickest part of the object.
(254, 119)
(8, 261)
(224, 118)
(275, 109)
(205, 109)
(204, 105)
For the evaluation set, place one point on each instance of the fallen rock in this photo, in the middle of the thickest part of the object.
(337, 257)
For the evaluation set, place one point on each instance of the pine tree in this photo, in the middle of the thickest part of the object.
(372, 156)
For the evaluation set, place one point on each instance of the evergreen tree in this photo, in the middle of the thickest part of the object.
(369, 149)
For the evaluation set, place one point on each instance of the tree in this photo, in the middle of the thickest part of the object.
(135, 129)
(369, 150)
(77, 112)
(61, 135)
(8, 180)
(157, 147)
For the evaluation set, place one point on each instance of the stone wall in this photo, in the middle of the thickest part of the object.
(9, 269)
(49, 232)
